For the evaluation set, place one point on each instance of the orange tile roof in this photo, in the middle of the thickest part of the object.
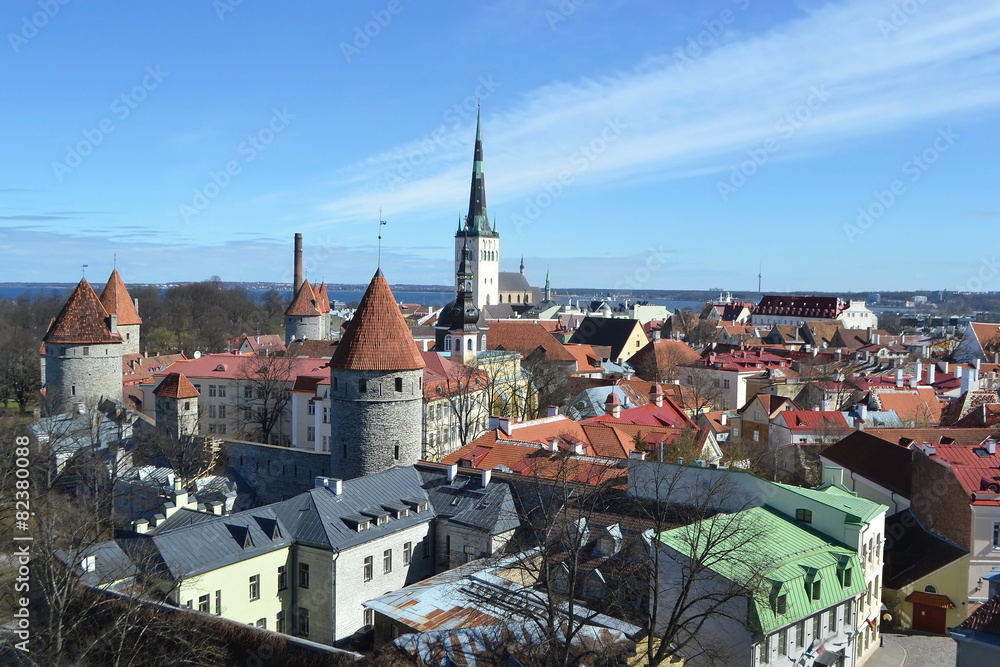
(663, 355)
(930, 600)
(175, 385)
(322, 298)
(116, 301)
(377, 338)
(919, 405)
(526, 338)
(305, 303)
(82, 320)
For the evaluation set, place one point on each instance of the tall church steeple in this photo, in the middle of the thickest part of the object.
(477, 222)
(482, 239)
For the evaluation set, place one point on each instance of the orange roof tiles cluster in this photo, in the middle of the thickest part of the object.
(377, 338)
(83, 320)
(305, 303)
(175, 385)
(526, 338)
(116, 301)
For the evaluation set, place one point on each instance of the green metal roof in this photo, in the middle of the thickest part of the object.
(860, 509)
(789, 555)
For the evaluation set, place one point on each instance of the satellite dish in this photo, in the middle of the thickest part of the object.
(197, 354)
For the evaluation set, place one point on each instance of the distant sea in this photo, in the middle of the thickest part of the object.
(430, 298)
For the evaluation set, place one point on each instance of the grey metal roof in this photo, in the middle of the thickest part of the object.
(316, 516)
(190, 543)
(513, 281)
(465, 501)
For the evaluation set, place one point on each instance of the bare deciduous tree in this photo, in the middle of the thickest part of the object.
(263, 396)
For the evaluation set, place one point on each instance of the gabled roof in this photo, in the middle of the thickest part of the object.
(663, 355)
(116, 301)
(175, 385)
(920, 405)
(875, 459)
(305, 303)
(814, 420)
(612, 331)
(377, 338)
(83, 320)
(527, 338)
(790, 554)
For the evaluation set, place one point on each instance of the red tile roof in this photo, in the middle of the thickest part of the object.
(930, 600)
(444, 377)
(668, 414)
(175, 385)
(814, 420)
(800, 306)
(377, 338)
(975, 468)
(305, 303)
(663, 356)
(116, 301)
(137, 369)
(986, 618)
(82, 320)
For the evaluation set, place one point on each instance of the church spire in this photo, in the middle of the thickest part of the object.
(522, 265)
(477, 223)
(548, 287)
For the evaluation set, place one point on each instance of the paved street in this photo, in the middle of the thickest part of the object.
(914, 651)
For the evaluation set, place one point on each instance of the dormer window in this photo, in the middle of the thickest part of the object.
(815, 591)
(781, 604)
(803, 515)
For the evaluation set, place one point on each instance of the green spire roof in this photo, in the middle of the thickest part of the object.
(476, 222)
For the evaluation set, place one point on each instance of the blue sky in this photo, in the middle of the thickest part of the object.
(841, 145)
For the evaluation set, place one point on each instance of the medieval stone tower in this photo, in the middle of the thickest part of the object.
(83, 353)
(376, 389)
(177, 406)
(116, 301)
(304, 317)
(483, 240)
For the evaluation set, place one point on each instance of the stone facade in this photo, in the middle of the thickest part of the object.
(375, 420)
(314, 327)
(276, 473)
(130, 338)
(179, 417)
(83, 374)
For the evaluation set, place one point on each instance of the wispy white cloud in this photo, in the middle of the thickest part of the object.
(938, 65)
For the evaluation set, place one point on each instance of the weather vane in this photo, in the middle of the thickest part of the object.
(83, 270)
(380, 223)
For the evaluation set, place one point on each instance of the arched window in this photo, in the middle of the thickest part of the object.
(471, 347)
(500, 299)
(930, 589)
(487, 299)
(519, 298)
(458, 344)
(447, 343)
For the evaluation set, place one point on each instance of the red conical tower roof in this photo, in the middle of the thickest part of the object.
(116, 301)
(82, 320)
(323, 298)
(305, 303)
(377, 339)
(176, 385)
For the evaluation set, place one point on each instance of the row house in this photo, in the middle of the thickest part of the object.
(306, 566)
(721, 378)
(831, 604)
(791, 309)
